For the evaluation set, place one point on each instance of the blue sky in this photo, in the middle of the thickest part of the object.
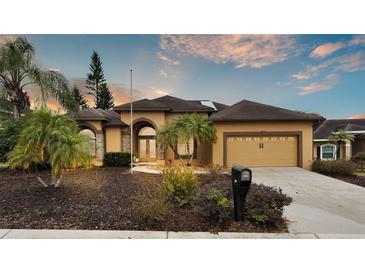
(315, 73)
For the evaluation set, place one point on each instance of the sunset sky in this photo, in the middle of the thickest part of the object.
(314, 73)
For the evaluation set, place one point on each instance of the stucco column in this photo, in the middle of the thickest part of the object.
(99, 146)
(348, 150)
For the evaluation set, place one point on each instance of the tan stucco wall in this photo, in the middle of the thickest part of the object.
(305, 127)
(113, 138)
(158, 117)
(95, 124)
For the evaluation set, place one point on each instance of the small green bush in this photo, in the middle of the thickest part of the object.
(179, 185)
(117, 159)
(215, 205)
(265, 205)
(151, 205)
(334, 168)
(360, 158)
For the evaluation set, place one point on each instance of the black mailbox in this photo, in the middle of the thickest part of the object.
(241, 181)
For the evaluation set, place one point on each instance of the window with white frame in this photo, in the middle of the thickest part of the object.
(328, 152)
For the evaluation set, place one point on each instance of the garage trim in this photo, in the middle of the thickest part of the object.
(298, 134)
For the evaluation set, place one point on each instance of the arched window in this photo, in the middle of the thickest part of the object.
(328, 152)
(147, 131)
(91, 135)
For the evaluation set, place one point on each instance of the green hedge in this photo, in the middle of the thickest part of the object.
(117, 159)
(334, 168)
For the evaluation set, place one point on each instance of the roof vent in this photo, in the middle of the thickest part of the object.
(208, 103)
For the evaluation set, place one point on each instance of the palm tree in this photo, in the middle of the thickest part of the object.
(18, 70)
(51, 139)
(185, 128)
(340, 137)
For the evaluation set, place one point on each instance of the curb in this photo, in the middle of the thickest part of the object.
(134, 234)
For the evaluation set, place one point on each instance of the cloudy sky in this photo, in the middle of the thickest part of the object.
(315, 73)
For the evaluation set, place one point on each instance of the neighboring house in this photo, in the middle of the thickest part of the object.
(323, 149)
(248, 133)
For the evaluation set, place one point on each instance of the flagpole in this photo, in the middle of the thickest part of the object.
(131, 122)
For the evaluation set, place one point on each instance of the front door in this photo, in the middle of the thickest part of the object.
(147, 149)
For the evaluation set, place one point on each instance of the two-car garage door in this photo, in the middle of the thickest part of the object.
(267, 150)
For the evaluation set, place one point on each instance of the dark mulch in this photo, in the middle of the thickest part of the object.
(353, 179)
(99, 198)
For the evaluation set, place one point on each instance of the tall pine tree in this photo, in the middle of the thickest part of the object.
(95, 78)
(106, 100)
(79, 98)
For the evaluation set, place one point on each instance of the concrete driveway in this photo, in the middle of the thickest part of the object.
(320, 204)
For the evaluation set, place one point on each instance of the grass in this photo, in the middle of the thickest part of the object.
(360, 173)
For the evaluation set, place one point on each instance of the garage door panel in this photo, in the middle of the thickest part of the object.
(262, 151)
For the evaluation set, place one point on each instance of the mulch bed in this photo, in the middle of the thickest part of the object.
(100, 198)
(353, 179)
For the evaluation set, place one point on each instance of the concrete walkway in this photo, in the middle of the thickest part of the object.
(321, 204)
(115, 234)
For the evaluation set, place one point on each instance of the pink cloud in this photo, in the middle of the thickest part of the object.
(357, 116)
(254, 51)
(329, 83)
(168, 60)
(326, 49)
(345, 63)
(6, 37)
(358, 40)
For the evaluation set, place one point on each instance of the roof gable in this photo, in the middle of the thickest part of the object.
(251, 111)
(329, 126)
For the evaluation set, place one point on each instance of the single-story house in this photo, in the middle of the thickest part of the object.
(324, 149)
(248, 133)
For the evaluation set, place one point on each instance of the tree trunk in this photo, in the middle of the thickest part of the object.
(178, 155)
(188, 150)
(16, 112)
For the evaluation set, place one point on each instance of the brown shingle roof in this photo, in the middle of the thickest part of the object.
(168, 103)
(144, 104)
(108, 117)
(251, 111)
(329, 126)
(180, 105)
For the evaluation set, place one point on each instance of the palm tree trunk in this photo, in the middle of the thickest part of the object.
(178, 155)
(16, 112)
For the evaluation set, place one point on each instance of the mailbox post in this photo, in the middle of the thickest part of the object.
(241, 181)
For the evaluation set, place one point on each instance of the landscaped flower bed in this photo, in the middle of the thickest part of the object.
(111, 198)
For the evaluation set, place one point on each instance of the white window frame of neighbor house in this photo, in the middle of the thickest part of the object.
(334, 153)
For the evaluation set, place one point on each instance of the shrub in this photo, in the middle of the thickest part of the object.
(179, 185)
(265, 205)
(9, 131)
(151, 205)
(334, 168)
(360, 158)
(117, 159)
(215, 205)
(213, 174)
(50, 139)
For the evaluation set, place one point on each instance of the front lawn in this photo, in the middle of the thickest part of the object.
(105, 198)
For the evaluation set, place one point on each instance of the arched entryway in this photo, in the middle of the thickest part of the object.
(90, 135)
(145, 140)
(147, 144)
